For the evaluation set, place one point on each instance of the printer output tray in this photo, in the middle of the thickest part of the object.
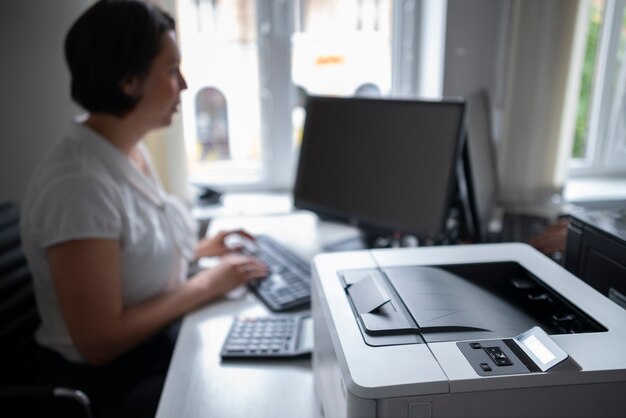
(466, 301)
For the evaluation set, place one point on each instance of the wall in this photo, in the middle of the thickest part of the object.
(34, 96)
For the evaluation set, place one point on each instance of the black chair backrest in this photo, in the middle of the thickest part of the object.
(19, 353)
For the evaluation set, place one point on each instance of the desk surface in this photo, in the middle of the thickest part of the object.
(199, 384)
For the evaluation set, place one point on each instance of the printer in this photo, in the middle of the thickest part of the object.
(486, 330)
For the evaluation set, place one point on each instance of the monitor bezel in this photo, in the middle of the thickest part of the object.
(375, 226)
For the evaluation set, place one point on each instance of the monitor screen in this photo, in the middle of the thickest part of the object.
(381, 163)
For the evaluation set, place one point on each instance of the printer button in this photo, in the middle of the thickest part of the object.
(503, 362)
(485, 367)
(498, 356)
(475, 345)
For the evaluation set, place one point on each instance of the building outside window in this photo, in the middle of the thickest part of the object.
(221, 112)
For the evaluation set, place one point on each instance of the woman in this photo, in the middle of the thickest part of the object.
(108, 248)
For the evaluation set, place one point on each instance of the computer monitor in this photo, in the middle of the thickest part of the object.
(381, 164)
(479, 170)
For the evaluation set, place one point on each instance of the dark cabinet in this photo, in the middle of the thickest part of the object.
(596, 251)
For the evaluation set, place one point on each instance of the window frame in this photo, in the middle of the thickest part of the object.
(604, 151)
(275, 26)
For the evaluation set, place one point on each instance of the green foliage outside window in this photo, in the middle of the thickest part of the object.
(582, 120)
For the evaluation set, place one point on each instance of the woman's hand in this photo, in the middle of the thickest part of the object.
(216, 246)
(233, 271)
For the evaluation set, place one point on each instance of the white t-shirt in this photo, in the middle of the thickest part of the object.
(87, 188)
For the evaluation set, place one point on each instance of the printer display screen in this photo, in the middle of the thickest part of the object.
(538, 349)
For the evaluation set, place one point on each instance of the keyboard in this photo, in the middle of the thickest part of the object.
(273, 336)
(288, 285)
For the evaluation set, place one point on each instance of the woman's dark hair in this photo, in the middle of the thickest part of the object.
(113, 41)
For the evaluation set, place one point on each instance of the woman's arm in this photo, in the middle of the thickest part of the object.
(87, 281)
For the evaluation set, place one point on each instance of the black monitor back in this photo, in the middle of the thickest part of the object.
(382, 163)
(478, 173)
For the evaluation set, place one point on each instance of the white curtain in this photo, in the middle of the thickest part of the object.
(167, 146)
(540, 98)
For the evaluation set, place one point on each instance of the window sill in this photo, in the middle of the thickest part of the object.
(245, 204)
(595, 189)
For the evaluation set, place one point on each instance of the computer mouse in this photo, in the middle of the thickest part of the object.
(208, 196)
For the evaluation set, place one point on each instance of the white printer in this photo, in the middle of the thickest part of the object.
(493, 330)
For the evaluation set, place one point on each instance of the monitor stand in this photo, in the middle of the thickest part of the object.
(350, 244)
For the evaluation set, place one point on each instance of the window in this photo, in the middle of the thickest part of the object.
(249, 65)
(600, 138)
(221, 111)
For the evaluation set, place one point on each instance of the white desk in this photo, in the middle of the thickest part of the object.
(199, 384)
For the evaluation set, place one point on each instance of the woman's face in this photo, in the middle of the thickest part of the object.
(161, 88)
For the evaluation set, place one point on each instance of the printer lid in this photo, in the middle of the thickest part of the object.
(437, 303)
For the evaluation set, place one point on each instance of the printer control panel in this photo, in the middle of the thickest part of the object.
(494, 357)
(530, 352)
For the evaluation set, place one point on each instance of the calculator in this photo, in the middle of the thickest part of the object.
(271, 336)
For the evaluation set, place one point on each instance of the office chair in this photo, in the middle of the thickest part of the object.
(20, 355)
